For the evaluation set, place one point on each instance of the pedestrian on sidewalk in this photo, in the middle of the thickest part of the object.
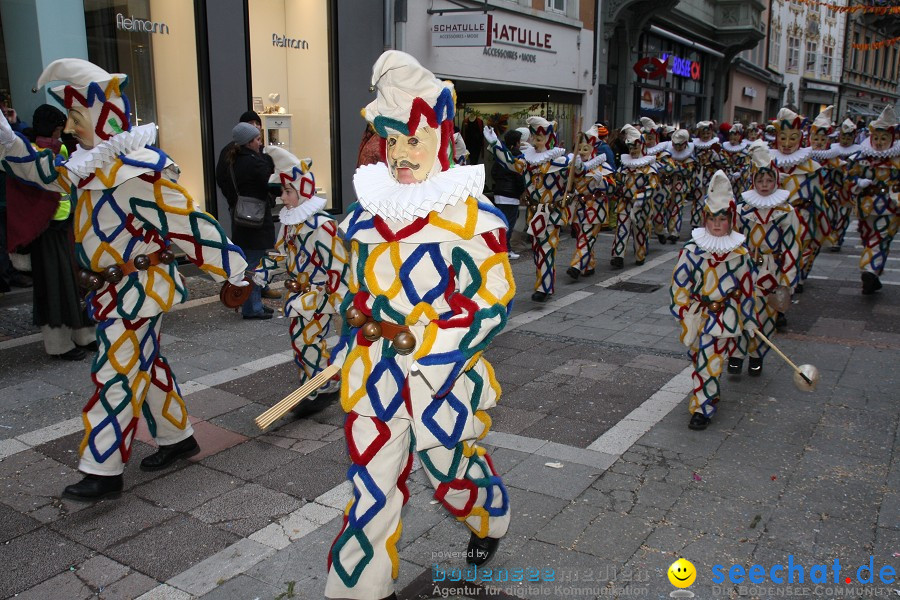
(130, 209)
(593, 184)
(431, 286)
(315, 259)
(712, 296)
(509, 185)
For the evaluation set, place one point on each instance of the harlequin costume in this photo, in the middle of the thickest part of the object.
(709, 160)
(636, 182)
(770, 225)
(834, 169)
(430, 285)
(875, 174)
(677, 168)
(545, 167)
(736, 158)
(128, 210)
(593, 182)
(804, 180)
(842, 211)
(656, 146)
(712, 296)
(315, 259)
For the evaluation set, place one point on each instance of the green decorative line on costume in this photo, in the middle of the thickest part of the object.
(114, 125)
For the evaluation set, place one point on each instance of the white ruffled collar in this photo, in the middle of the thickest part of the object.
(657, 148)
(636, 163)
(866, 149)
(717, 244)
(688, 151)
(595, 162)
(533, 157)
(768, 137)
(791, 160)
(83, 162)
(729, 147)
(701, 145)
(301, 212)
(823, 155)
(777, 197)
(382, 195)
(844, 152)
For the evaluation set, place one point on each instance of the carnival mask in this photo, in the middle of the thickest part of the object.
(881, 140)
(79, 124)
(789, 140)
(585, 150)
(818, 139)
(411, 158)
(539, 141)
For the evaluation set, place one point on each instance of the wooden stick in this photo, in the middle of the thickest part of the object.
(570, 180)
(284, 405)
(781, 354)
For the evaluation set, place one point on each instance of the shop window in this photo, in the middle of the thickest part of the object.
(144, 39)
(811, 48)
(290, 73)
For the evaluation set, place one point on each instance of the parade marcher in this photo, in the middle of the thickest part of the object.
(430, 287)
(712, 296)
(834, 170)
(875, 174)
(128, 210)
(677, 168)
(804, 180)
(771, 228)
(636, 181)
(706, 152)
(843, 210)
(654, 145)
(315, 259)
(752, 132)
(593, 180)
(737, 159)
(770, 136)
(545, 166)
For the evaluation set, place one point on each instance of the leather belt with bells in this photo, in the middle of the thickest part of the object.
(718, 306)
(399, 335)
(113, 274)
(760, 257)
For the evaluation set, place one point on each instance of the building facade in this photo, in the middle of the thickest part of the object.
(754, 91)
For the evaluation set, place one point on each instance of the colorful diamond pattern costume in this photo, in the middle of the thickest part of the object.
(636, 182)
(878, 204)
(592, 186)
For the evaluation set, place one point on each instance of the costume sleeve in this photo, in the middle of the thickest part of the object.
(36, 166)
(682, 284)
(790, 250)
(505, 159)
(165, 206)
(746, 279)
(332, 255)
(480, 308)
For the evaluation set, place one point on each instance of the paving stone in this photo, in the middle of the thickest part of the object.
(229, 562)
(512, 420)
(212, 402)
(14, 523)
(31, 484)
(241, 421)
(214, 438)
(246, 509)
(614, 537)
(131, 586)
(34, 557)
(705, 512)
(302, 561)
(187, 488)
(65, 585)
(564, 431)
(158, 552)
(103, 524)
(250, 459)
(567, 482)
(305, 477)
(243, 587)
(100, 571)
(566, 528)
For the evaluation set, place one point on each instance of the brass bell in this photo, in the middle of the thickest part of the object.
(83, 279)
(355, 317)
(166, 257)
(371, 331)
(292, 285)
(715, 306)
(306, 288)
(94, 282)
(404, 342)
(141, 262)
(113, 274)
(760, 260)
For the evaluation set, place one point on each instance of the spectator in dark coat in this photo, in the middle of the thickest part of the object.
(509, 185)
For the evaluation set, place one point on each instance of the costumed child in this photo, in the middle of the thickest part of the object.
(770, 225)
(834, 169)
(804, 179)
(709, 160)
(593, 182)
(712, 295)
(636, 181)
(770, 136)
(677, 168)
(545, 166)
(128, 211)
(842, 212)
(875, 175)
(655, 146)
(430, 285)
(752, 132)
(315, 259)
(737, 159)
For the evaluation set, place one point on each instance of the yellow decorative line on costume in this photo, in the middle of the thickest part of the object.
(382, 195)
(717, 244)
(791, 160)
(83, 162)
(777, 197)
(301, 212)
(867, 150)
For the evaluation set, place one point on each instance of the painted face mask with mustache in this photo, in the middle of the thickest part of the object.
(413, 158)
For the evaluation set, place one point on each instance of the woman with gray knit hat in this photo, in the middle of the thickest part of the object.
(248, 171)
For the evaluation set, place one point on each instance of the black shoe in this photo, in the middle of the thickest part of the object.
(94, 487)
(540, 296)
(661, 237)
(617, 262)
(20, 280)
(92, 347)
(736, 365)
(75, 353)
(268, 310)
(573, 273)
(263, 315)
(798, 289)
(166, 455)
(673, 239)
(639, 262)
(780, 321)
(481, 549)
(870, 283)
(391, 597)
(755, 368)
(699, 422)
(835, 248)
(588, 273)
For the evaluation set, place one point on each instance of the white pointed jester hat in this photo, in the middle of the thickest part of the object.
(887, 120)
(761, 159)
(648, 125)
(848, 126)
(631, 135)
(823, 120)
(292, 171)
(787, 119)
(720, 196)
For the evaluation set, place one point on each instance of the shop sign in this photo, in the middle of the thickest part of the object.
(283, 41)
(140, 25)
(525, 36)
(651, 67)
(750, 92)
(527, 57)
(684, 67)
(461, 30)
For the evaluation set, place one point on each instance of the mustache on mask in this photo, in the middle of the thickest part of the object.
(405, 164)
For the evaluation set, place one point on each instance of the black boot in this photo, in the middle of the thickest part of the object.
(673, 239)
(573, 273)
(166, 455)
(736, 365)
(588, 273)
(617, 262)
(755, 368)
(699, 421)
(780, 321)
(870, 283)
(481, 549)
(835, 248)
(639, 262)
(798, 289)
(540, 296)
(94, 487)
(661, 237)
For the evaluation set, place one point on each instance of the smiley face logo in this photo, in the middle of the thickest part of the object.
(682, 573)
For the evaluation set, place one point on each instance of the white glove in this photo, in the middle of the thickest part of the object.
(7, 136)
(238, 280)
(489, 135)
(863, 183)
(259, 279)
